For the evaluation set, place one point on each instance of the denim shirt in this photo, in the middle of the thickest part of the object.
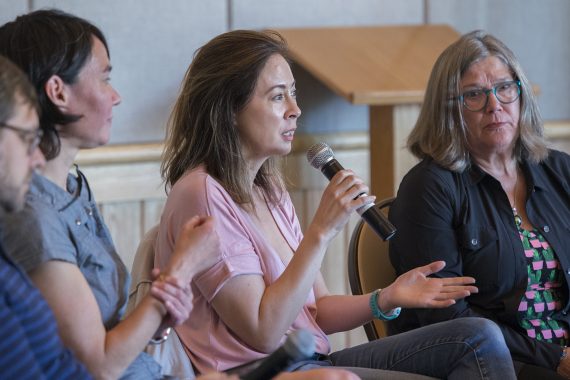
(466, 220)
(66, 226)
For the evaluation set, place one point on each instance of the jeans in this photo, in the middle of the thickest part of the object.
(460, 349)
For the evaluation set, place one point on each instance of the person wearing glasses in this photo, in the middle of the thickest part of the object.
(59, 237)
(234, 120)
(30, 347)
(494, 203)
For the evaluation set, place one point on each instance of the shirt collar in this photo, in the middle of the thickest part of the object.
(534, 177)
(47, 190)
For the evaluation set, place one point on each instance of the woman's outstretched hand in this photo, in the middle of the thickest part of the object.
(414, 289)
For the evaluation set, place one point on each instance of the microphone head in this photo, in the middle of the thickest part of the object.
(300, 345)
(319, 154)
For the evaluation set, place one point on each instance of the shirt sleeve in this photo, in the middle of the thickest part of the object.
(200, 194)
(37, 235)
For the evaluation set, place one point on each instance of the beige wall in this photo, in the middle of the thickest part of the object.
(127, 184)
(152, 43)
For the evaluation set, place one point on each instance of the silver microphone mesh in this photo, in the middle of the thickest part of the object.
(319, 154)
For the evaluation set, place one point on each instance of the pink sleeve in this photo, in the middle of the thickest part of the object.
(199, 194)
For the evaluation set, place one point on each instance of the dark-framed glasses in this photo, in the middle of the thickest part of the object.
(476, 99)
(31, 138)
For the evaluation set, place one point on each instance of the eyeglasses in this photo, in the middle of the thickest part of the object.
(478, 98)
(30, 137)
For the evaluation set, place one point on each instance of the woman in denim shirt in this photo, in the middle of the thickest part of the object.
(60, 238)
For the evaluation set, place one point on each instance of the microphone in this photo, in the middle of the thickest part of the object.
(299, 345)
(321, 157)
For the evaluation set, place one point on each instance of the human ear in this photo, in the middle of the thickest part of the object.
(56, 91)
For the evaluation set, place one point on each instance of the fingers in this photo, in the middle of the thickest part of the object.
(450, 281)
(456, 294)
(347, 182)
(191, 223)
(177, 282)
(349, 189)
(440, 304)
(177, 302)
(197, 222)
(445, 299)
(431, 268)
(155, 273)
(453, 289)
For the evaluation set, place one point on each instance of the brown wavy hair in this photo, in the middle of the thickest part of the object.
(202, 127)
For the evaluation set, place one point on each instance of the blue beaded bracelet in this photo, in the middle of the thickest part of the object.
(377, 313)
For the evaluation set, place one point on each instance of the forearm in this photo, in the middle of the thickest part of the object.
(264, 316)
(342, 313)
(127, 340)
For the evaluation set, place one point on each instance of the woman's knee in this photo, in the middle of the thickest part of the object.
(486, 330)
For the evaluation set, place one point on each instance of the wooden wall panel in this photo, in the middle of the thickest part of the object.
(131, 197)
(124, 220)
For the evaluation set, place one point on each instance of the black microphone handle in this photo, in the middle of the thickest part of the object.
(299, 345)
(271, 366)
(374, 217)
(330, 168)
(379, 223)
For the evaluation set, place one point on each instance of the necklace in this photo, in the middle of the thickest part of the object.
(518, 219)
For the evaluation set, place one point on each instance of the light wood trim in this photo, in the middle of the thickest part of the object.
(152, 152)
(337, 141)
(124, 153)
(371, 65)
(557, 129)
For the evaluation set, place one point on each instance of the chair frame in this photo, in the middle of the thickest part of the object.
(376, 328)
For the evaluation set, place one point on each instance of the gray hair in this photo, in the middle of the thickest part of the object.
(440, 132)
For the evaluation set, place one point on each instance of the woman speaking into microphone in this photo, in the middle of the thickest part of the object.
(234, 119)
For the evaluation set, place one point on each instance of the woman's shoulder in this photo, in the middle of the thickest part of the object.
(558, 158)
(196, 183)
(426, 172)
(557, 162)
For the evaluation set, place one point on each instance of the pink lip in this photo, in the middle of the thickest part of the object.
(289, 137)
(495, 125)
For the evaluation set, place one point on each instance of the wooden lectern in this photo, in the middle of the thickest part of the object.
(385, 67)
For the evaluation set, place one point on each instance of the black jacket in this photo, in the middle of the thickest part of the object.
(466, 220)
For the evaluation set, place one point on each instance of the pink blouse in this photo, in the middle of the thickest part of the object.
(209, 343)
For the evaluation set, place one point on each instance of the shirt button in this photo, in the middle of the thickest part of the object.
(474, 241)
(78, 222)
(89, 211)
(546, 229)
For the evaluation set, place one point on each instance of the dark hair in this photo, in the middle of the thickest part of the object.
(202, 127)
(46, 43)
(440, 132)
(14, 87)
